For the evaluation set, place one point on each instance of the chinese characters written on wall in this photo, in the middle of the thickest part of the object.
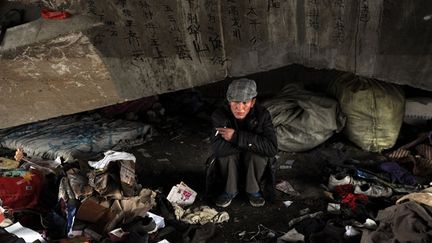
(196, 30)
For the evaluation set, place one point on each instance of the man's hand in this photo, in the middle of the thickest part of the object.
(226, 133)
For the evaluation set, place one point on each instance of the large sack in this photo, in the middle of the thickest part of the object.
(21, 189)
(303, 119)
(374, 110)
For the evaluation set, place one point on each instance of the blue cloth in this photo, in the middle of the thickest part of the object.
(398, 173)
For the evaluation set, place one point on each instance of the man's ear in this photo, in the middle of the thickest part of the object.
(253, 102)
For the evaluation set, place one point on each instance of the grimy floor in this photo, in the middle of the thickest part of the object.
(179, 151)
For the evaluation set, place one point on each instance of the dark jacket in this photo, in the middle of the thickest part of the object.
(255, 133)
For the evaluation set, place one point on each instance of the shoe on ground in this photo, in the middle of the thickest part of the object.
(256, 199)
(224, 200)
(342, 179)
(372, 190)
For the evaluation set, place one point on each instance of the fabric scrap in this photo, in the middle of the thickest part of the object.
(405, 222)
(52, 14)
(200, 215)
(398, 173)
(353, 199)
(110, 156)
(424, 197)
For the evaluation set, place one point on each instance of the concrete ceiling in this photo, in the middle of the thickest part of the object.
(112, 51)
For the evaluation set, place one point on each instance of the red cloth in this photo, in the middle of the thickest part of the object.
(50, 14)
(344, 190)
(352, 199)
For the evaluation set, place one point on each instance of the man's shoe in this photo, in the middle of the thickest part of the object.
(224, 200)
(373, 190)
(256, 199)
(342, 179)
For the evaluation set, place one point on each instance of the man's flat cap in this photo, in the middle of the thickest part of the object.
(241, 90)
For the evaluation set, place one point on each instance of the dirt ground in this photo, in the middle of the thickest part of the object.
(179, 151)
(180, 147)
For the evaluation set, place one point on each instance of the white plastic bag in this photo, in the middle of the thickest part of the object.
(181, 195)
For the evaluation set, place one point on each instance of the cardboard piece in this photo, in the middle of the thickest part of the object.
(91, 211)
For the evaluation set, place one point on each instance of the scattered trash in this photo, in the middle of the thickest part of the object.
(263, 234)
(333, 208)
(117, 234)
(350, 231)
(182, 195)
(163, 241)
(176, 137)
(160, 221)
(294, 221)
(287, 164)
(92, 234)
(110, 156)
(92, 212)
(328, 194)
(4, 222)
(200, 215)
(291, 236)
(27, 234)
(53, 14)
(370, 224)
(287, 203)
(286, 187)
(418, 110)
(6, 163)
(304, 211)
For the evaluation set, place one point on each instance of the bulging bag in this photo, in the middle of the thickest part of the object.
(21, 189)
(374, 110)
(303, 119)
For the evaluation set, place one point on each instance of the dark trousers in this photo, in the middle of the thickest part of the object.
(250, 164)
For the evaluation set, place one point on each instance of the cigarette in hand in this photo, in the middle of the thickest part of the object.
(217, 131)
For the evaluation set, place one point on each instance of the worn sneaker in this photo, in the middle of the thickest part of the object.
(224, 200)
(373, 190)
(256, 199)
(342, 179)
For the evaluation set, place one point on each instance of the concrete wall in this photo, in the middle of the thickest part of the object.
(112, 51)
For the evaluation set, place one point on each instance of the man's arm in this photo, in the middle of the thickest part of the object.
(264, 143)
(220, 146)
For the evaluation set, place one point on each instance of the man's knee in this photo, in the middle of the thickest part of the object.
(228, 158)
(256, 158)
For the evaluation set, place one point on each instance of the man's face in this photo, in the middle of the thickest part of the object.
(240, 109)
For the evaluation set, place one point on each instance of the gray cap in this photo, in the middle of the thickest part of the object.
(241, 90)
